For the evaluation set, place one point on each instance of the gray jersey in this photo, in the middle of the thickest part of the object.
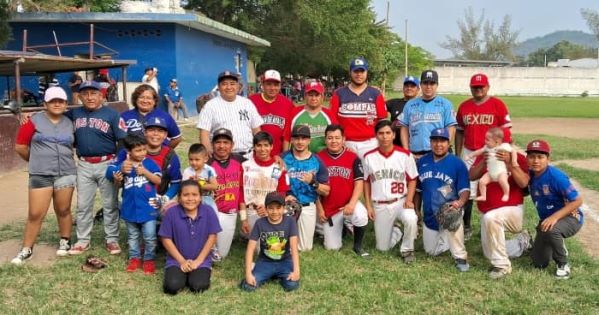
(51, 148)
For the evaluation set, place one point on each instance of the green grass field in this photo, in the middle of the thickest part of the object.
(331, 283)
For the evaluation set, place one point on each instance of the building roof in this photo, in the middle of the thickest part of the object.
(471, 63)
(584, 63)
(190, 20)
(34, 63)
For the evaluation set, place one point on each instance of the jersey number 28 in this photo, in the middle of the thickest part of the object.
(397, 187)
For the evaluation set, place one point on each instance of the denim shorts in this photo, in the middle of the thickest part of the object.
(57, 182)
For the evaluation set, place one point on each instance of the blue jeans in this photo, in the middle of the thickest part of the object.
(148, 231)
(265, 270)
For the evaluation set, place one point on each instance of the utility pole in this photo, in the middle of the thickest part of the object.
(406, 49)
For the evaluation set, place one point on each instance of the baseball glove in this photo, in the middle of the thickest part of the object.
(293, 208)
(449, 218)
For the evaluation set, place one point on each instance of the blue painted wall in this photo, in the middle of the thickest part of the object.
(193, 57)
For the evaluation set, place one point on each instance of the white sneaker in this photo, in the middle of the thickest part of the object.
(22, 256)
(563, 272)
(63, 248)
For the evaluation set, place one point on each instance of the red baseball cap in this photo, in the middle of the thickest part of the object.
(479, 79)
(314, 86)
(538, 146)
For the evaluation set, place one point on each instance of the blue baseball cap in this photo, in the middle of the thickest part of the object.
(358, 63)
(90, 85)
(411, 79)
(156, 122)
(440, 133)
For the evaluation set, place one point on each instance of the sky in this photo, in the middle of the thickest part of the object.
(429, 22)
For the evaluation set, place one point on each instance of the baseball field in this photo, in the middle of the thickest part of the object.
(337, 282)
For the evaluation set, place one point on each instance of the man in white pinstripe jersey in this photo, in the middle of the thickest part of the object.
(231, 111)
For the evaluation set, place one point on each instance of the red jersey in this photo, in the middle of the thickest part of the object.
(358, 114)
(476, 119)
(275, 115)
(344, 169)
(494, 192)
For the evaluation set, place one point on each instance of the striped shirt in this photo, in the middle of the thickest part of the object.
(239, 116)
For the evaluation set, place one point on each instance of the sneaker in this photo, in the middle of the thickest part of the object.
(362, 253)
(113, 248)
(78, 248)
(149, 267)
(63, 247)
(24, 254)
(467, 233)
(216, 257)
(134, 264)
(408, 257)
(462, 265)
(498, 273)
(563, 271)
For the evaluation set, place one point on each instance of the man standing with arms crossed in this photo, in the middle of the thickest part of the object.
(98, 128)
(389, 192)
(475, 117)
(273, 107)
(411, 88)
(358, 107)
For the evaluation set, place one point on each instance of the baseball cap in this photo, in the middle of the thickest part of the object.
(90, 85)
(227, 75)
(156, 122)
(429, 76)
(274, 197)
(479, 79)
(440, 133)
(55, 92)
(538, 146)
(222, 132)
(174, 80)
(358, 63)
(411, 79)
(272, 75)
(301, 131)
(314, 86)
(103, 71)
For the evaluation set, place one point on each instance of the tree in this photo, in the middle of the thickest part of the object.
(561, 50)
(592, 18)
(479, 40)
(4, 26)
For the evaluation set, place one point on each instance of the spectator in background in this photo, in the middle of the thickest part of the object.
(411, 88)
(151, 78)
(174, 99)
(44, 82)
(74, 83)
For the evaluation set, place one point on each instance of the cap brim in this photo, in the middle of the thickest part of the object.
(478, 85)
(228, 77)
(216, 137)
(359, 68)
(439, 137)
(313, 90)
(271, 80)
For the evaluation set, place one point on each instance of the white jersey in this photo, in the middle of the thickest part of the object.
(389, 173)
(259, 180)
(494, 166)
(239, 116)
(153, 83)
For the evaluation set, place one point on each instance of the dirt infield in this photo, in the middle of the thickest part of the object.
(581, 128)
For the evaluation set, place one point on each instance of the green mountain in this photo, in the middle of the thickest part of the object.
(547, 41)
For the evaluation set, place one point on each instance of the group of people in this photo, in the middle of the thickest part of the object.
(343, 166)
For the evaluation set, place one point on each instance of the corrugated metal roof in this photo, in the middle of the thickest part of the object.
(194, 21)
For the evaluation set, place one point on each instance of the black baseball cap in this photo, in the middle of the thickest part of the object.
(228, 75)
(222, 132)
(301, 131)
(274, 197)
(430, 76)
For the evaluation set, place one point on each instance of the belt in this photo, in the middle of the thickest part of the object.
(96, 159)
(385, 202)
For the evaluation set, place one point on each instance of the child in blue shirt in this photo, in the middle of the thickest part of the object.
(558, 205)
(139, 187)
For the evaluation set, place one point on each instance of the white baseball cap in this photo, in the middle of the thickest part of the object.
(55, 92)
(272, 75)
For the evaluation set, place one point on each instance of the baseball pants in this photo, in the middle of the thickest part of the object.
(90, 177)
(550, 244)
(362, 147)
(306, 224)
(228, 222)
(473, 189)
(385, 216)
(438, 242)
(493, 226)
(333, 234)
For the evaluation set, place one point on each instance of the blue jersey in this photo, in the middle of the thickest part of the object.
(135, 122)
(423, 117)
(137, 191)
(296, 168)
(550, 191)
(97, 132)
(440, 181)
(174, 95)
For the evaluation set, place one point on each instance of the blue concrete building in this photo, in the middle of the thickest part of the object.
(189, 47)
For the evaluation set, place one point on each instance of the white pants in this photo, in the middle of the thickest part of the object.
(493, 226)
(224, 239)
(469, 163)
(333, 234)
(385, 216)
(362, 147)
(438, 242)
(305, 227)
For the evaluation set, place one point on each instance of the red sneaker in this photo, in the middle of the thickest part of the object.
(149, 267)
(134, 264)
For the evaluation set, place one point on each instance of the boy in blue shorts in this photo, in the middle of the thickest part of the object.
(139, 187)
(279, 256)
(558, 205)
